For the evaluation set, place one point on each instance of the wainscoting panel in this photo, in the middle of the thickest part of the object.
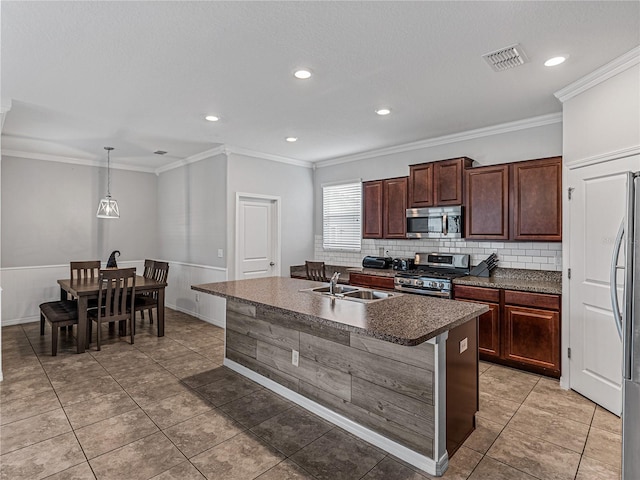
(25, 288)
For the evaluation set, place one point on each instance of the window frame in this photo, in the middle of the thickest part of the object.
(354, 211)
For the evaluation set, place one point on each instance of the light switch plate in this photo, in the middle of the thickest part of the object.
(463, 344)
(295, 357)
(220, 253)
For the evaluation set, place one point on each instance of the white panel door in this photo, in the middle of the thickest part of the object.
(596, 210)
(257, 241)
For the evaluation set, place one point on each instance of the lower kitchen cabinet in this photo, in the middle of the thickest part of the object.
(521, 329)
(371, 281)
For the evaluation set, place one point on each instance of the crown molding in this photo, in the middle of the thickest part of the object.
(603, 157)
(219, 150)
(268, 156)
(533, 122)
(611, 69)
(75, 161)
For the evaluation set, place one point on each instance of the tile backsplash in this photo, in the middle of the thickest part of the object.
(527, 255)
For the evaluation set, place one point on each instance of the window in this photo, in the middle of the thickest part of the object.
(341, 216)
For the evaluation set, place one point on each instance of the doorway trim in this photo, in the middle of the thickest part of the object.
(277, 228)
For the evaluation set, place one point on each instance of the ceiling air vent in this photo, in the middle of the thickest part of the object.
(506, 58)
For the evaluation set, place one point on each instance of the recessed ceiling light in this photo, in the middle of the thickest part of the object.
(552, 62)
(212, 118)
(160, 152)
(291, 139)
(302, 74)
(383, 111)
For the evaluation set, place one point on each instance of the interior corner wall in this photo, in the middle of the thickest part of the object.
(192, 224)
(192, 227)
(526, 144)
(294, 185)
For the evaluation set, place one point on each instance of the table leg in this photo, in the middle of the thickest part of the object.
(161, 312)
(63, 294)
(83, 341)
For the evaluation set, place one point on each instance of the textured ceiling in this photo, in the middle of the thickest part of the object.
(140, 76)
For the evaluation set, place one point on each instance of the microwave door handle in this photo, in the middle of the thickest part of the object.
(444, 224)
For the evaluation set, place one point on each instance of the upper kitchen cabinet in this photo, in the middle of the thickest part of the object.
(487, 202)
(537, 199)
(515, 201)
(437, 183)
(372, 209)
(384, 208)
(394, 201)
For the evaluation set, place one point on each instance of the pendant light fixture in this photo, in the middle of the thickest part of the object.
(108, 207)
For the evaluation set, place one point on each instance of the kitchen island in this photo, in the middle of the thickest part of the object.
(377, 369)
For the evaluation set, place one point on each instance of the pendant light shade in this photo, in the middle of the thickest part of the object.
(108, 207)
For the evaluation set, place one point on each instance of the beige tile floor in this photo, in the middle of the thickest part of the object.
(165, 408)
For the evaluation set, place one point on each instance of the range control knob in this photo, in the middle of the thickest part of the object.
(419, 283)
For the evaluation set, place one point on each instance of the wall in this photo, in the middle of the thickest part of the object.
(293, 184)
(191, 229)
(510, 146)
(603, 119)
(601, 123)
(48, 214)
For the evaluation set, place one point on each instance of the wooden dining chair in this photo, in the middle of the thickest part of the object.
(85, 270)
(59, 314)
(115, 300)
(316, 271)
(158, 271)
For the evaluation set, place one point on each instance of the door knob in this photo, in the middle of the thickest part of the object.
(271, 263)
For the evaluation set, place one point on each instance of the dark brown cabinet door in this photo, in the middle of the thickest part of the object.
(489, 322)
(421, 185)
(487, 202)
(372, 209)
(448, 181)
(537, 199)
(394, 222)
(532, 337)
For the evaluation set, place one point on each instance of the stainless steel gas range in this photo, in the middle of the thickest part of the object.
(433, 274)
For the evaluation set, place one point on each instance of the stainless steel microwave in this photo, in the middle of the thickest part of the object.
(434, 222)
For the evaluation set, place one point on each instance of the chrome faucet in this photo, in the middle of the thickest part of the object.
(333, 282)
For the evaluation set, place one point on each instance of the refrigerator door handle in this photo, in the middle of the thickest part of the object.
(617, 314)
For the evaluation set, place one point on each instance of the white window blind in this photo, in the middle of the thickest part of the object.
(341, 216)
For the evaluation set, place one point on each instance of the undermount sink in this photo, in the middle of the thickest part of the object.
(337, 289)
(368, 295)
(354, 294)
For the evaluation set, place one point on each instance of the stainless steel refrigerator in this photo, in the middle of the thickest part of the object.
(627, 315)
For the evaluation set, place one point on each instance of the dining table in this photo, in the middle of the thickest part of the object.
(85, 289)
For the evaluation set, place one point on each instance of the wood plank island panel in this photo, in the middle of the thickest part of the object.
(378, 369)
(384, 386)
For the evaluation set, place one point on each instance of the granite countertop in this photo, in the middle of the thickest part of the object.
(536, 281)
(404, 319)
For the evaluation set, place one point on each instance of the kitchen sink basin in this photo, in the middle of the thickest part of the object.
(337, 289)
(354, 294)
(368, 295)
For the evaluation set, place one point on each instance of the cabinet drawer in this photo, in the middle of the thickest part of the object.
(477, 293)
(371, 281)
(527, 299)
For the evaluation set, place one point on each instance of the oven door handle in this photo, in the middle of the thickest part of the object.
(445, 230)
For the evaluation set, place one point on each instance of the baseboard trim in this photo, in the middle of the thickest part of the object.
(213, 321)
(422, 462)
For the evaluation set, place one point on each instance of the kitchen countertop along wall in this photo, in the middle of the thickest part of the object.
(536, 281)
